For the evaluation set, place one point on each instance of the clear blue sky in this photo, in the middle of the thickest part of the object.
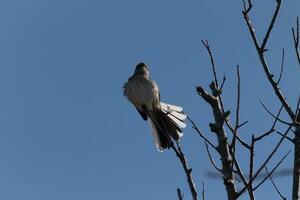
(66, 130)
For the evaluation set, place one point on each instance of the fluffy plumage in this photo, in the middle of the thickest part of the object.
(166, 120)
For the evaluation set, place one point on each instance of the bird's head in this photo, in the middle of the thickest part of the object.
(141, 69)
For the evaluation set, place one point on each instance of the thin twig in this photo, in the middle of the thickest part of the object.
(242, 176)
(229, 126)
(272, 129)
(274, 116)
(223, 82)
(261, 49)
(247, 146)
(251, 160)
(297, 111)
(237, 114)
(273, 170)
(296, 39)
(211, 159)
(247, 8)
(286, 137)
(216, 90)
(214, 86)
(266, 161)
(200, 133)
(264, 135)
(276, 188)
(179, 194)
(205, 43)
(281, 68)
(242, 124)
(203, 191)
(187, 169)
(265, 40)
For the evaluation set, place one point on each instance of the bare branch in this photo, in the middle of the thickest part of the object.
(272, 153)
(272, 129)
(296, 40)
(237, 116)
(296, 170)
(281, 68)
(214, 86)
(242, 124)
(240, 173)
(248, 7)
(266, 161)
(250, 26)
(264, 135)
(251, 161)
(229, 126)
(286, 137)
(203, 191)
(273, 183)
(223, 82)
(265, 40)
(270, 113)
(212, 100)
(273, 170)
(247, 146)
(211, 159)
(201, 134)
(205, 43)
(223, 147)
(261, 49)
(179, 194)
(237, 113)
(297, 111)
(187, 170)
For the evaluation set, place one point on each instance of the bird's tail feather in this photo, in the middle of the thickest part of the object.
(175, 113)
(162, 140)
(166, 125)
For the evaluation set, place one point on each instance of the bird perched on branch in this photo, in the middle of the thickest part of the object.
(166, 121)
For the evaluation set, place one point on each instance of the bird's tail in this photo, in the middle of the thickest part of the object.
(166, 124)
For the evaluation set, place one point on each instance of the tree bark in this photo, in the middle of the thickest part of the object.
(223, 146)
(296, 172)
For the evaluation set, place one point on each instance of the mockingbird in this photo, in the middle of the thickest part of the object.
(166, 121)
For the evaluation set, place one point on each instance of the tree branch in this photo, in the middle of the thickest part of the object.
(211, 159)
(276, 188)
(187, 170)
(296, 39)
(265, 162)
(281, 68)
(179, 194)
(223, 146)
(261, 49)
(265, 40)
(270, 113)
(205, 43)
(194, 126)
(203, 191)
(273, 170)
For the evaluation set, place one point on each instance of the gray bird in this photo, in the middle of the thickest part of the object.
(166, 121)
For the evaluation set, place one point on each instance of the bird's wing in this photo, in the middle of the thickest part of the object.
(143, 114)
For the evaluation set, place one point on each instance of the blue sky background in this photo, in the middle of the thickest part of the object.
(67, 132)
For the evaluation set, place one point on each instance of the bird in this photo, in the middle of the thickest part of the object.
(166, 120)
